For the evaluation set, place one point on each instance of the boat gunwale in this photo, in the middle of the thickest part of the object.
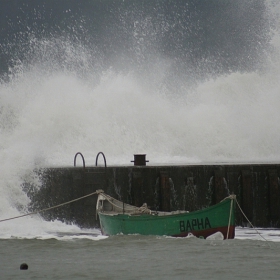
(155, 215)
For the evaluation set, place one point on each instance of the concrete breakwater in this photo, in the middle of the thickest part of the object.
(188, 187)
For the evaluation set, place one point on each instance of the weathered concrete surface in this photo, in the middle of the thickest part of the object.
(161, 187)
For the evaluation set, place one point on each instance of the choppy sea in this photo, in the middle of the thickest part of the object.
(89, 255)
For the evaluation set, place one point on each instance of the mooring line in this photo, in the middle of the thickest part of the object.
(101, 191)
(46, 209)
(249, 221)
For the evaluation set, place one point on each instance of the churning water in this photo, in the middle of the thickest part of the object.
(141, 257)
(183, 82)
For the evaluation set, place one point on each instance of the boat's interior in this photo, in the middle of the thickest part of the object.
(109, 205)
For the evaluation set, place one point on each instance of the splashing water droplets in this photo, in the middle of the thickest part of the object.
(61, 96)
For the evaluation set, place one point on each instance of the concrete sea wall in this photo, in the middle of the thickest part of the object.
(189, 187)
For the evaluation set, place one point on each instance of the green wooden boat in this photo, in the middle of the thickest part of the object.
(117, 217)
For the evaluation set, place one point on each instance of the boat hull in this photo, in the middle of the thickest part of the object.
(202, 223)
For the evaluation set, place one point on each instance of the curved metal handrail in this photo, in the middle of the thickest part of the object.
(103, 158)
(84, 164)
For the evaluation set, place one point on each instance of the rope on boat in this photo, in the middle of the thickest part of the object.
(109, 200)
(232, 196)
(143, 209)
(53, 207)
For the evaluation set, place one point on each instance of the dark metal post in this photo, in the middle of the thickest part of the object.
(140, 160)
